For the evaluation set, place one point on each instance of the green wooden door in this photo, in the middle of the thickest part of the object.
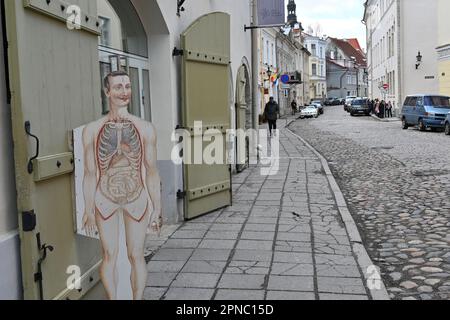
(206, 58)
(55, 86)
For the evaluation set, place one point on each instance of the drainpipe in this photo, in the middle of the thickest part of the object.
(255, 66)
(342, 77)
(399, 60)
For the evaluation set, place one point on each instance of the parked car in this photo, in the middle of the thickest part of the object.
(329, 102)
(425, 111)
(447, 125)
(360, 106)
(319, 105)
(348, 103)
(309, 112)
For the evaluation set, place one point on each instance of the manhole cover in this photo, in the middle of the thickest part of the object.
(430, 172)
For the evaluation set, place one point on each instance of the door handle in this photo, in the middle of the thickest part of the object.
(28, 131)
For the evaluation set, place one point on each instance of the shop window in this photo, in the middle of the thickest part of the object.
(123, 45)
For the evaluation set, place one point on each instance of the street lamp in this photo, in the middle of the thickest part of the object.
(419, 60)
(269, 72)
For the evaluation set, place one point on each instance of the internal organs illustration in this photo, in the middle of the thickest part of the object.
(119, 155)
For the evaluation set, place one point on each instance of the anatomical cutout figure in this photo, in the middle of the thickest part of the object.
(121, 179)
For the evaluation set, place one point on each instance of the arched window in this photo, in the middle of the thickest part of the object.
(123, 45)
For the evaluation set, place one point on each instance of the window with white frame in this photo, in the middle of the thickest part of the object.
(313, 49)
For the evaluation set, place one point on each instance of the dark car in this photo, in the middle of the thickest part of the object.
(360, 106)
(329, 102)
(337, 102)
(319, 105)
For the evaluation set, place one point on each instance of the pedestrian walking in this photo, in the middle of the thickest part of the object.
(370, 103)
(389, 110)
(294, 107)
(271, 113)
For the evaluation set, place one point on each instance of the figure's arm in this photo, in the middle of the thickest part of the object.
(153, 179)
(89, 182)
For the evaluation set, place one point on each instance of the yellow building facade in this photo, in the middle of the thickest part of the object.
(444, 47)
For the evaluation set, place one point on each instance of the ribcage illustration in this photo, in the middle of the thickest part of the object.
(119, 155)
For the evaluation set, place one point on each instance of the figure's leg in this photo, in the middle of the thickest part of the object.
(109, 237)
(135, 235)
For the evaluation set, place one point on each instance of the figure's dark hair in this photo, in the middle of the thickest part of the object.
(112, 75)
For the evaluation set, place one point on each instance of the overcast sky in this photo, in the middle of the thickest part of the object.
(337, 18)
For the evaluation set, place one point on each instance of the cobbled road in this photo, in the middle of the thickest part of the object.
(397, 186)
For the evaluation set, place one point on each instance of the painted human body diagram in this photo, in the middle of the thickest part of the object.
(120, 179)
(119, 157)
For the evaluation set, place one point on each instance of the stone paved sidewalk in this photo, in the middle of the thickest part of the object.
(283, 239)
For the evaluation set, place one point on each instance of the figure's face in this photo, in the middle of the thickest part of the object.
(119, 92)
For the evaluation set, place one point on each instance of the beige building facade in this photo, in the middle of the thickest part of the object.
(443, 50)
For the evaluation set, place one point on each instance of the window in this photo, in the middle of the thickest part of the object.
(314, 69)
(124, 29)
(349, 80)
(272, 56)
(321, 52)
(264, 51)
(411, 101)
(123, 45)
(441, 102)
(313, 50)
(105, 38)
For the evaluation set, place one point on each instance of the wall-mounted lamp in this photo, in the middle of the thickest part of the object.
(419, 60)
(269, 72)
(180, 7)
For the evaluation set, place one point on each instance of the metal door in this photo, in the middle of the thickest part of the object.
(55, 86)
(206, 58)
(241, 120)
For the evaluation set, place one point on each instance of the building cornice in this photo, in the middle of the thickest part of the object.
(443, 52)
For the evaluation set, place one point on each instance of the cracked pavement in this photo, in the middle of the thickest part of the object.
(283, 239)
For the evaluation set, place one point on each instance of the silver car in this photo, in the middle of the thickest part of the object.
(309, 112)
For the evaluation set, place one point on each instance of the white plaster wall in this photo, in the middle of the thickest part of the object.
(419, 33)
(388, 64)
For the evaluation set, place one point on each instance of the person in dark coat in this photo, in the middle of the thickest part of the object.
(271, 113)
(382, 109)
(294, 107)
(389, 110)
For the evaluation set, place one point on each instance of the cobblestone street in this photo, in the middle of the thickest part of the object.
(397, 186)
(284, 238)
